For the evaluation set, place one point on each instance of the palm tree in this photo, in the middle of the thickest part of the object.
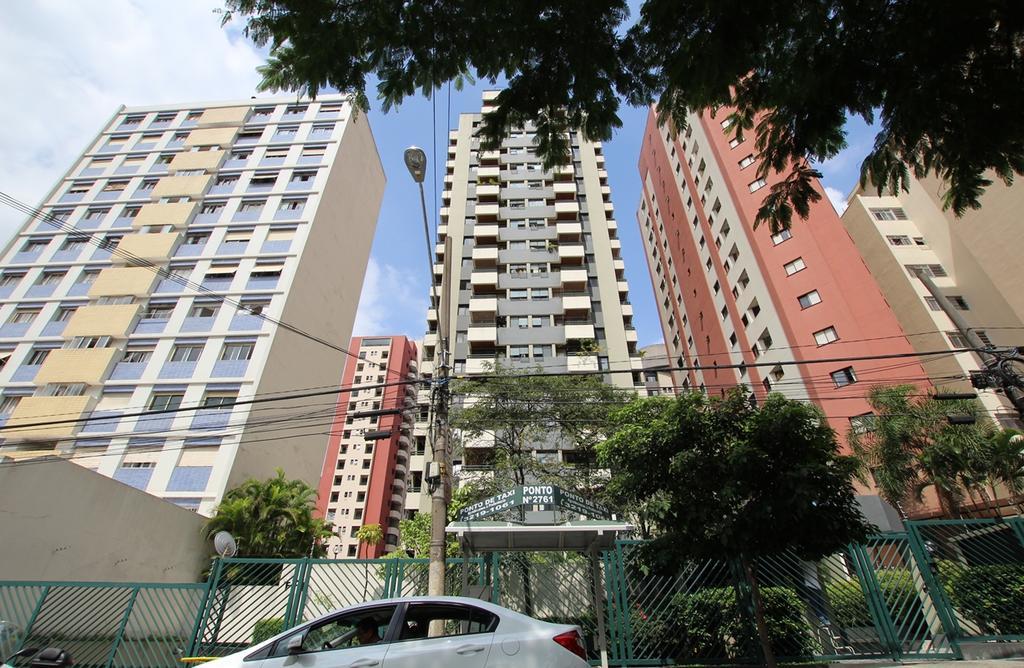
(271, 518)
(913, 446)
(1006, 464)
(370, 534)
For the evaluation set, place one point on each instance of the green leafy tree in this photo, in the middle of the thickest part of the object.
(271, 518)
(736, 481)
(524, 410)
(910, 445)
(943, 80)
(414, 532)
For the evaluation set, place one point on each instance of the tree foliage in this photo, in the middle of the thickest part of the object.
(271, 518)
(370, 534)
(942, 79)
(525, 410)
(734, 481)
(910, 446)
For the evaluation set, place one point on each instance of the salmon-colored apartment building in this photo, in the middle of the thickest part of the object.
(740, 305)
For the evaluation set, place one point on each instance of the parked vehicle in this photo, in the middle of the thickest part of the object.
(417, 632)
(51, 657)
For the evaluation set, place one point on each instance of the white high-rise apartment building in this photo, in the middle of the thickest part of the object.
(171, 250)
(536, 277)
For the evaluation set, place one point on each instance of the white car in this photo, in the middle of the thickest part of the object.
(419, 632)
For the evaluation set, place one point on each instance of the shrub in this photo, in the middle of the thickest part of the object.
(266, 628)
(708, 623)
(992, 596)
(849, 608)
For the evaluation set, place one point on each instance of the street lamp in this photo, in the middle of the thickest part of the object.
(416, 163)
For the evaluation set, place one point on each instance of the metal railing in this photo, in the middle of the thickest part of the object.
(919, 593)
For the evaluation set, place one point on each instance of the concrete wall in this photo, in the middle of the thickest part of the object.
(61, 521)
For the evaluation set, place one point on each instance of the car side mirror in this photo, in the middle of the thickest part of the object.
(294, 645)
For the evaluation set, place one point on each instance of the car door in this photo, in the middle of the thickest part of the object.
(351, 639)
(452, 635)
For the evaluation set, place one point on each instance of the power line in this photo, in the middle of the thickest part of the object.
(240, 402)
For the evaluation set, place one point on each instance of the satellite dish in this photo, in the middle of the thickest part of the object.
(225, 544)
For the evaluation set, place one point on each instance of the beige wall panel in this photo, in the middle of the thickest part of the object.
(177, 214)
(211, 137)
(102, 320)
(122, 281)
(181, 186)
(66, 365)
(196, 160)
(42, 409)
(149, 246)
(223, 116)
(109, 518)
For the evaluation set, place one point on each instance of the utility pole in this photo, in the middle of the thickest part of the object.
(439, 474)
(1000, 363)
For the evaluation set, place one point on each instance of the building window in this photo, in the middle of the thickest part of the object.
(823, 337)
(23, 316)
(898, 240)
(204, 310)
(220, 400)
(809, 299)
(862, 424)
(165, 401)
(781, 236)
(757, 185)
(844, 377)
(958, 340)
(888, 213)
(959, 302)
(239, 351)
(933, 303)
(794, 266)
(186, 352)
(747, 161)
(933, 270)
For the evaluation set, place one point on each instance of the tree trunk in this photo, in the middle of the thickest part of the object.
(995, 501)
(762, 627)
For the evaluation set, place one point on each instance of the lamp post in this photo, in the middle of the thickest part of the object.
(439, 475)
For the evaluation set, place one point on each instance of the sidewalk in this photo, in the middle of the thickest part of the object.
(984, 663)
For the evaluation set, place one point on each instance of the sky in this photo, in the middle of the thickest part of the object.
(100, 54)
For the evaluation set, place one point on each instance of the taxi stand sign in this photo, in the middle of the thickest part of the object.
(534, 495)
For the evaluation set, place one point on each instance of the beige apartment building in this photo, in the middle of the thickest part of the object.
(975, 261)
(535, 277)
(171, 254)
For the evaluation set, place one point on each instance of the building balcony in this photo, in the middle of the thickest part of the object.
(569, 231)
(205, 160)
(430, 339)
(478, 334)
(176, 214)
(152, 247)
(573, 279)
(243, 322)
(485, 233)
(102, 422)
(211, 419)
(567, 209)
(488, 191)
(115, 320)
(571, 253)
(485, 256)
(483, 306)
(42, 409)
(579, 331)
(627, 309)
(177, 370)
(582, 362)
(70, 365)
(123, 281)
(192, 187)
(488, 172)
(25, 373)
(561, 172)
(576, 303)
(484, 279)
(562, 188)
(486, 210)
(128, 370)
(230, 368)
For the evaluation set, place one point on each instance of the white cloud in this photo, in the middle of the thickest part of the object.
(392, 302)
(837, 198)
(68, 66)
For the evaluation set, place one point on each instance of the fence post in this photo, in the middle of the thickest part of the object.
(32, 618)
(623, 598)
(122, 626)
(1017, 525)
(304, 579)
(496, 578)
(292, 600)
(874, 598)
(943, 609)
(211, 585)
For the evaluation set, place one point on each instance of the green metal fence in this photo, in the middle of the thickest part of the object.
(109, 625)
(920, 593)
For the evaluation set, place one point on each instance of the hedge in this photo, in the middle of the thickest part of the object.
(991, 596)
(846, 598)
(266, 628)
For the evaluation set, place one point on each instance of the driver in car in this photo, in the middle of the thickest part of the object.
(366, 631)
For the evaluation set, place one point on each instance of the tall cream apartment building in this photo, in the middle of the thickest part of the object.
(975, 262)
(535, 276)
(169, 253)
